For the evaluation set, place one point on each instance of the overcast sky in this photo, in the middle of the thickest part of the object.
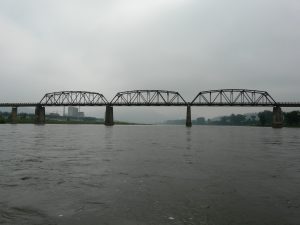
(115, 45)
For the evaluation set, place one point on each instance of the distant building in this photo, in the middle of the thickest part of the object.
(80, 114)
(200, 120)
(53, 115)
(74, 112)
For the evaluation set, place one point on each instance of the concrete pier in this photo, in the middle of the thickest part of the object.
(14, 113)
(109, 116)
(39, 114)
(188, 116)
(277, 117)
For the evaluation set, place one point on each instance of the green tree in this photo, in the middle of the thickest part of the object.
(2, 120)
(292, 118)
(237, 119)
(265, 118)
(223, 120)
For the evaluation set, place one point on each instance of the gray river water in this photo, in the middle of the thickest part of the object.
(149, 175)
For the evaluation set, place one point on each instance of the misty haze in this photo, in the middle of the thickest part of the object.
(144, 112)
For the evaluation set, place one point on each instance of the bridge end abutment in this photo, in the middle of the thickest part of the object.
(188, 122)
(277, 117)
(39, 114)
(14, 113)
(109, 116)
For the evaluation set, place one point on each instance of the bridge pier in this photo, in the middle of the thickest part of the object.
(109, 116)
(188, 122)
(39, 114)
(277, 117)
(14, 113)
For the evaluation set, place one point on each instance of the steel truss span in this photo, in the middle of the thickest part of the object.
(76, 98)
(148, 98)
(234, 97)
(222, 97)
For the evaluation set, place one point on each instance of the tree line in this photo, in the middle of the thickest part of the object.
(291, 119)
(5, 117)
(265, 118)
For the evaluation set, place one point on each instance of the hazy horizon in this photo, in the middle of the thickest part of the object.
(178, 45)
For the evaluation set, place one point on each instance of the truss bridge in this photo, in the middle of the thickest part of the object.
(221, 97)
(233, 97)
(73, 98)
(148, 98)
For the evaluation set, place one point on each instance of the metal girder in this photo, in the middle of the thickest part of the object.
(76, 98)
(148, 98)
(234, 97)
(288, 104)
(19, 104)
(222, 97)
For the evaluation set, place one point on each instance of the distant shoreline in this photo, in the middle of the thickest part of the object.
(140, 124)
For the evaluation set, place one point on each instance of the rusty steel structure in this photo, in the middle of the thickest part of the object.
(73, 98)
(233, 97)
(148, 98)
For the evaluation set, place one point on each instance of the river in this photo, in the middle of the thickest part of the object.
(149, 175)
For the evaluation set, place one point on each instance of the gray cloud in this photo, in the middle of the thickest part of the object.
(184, 45)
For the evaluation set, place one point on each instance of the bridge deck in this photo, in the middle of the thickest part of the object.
(32, 104)
(289, 104)
(281, 104)
(148, 104)
(18, 104)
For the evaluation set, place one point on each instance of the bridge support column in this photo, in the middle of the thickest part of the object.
(277, 117)
(188, 122)
(109, 116)
(39, 114)
(14, 113)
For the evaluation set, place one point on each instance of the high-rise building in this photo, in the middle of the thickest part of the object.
(72, 111)
(80, 114)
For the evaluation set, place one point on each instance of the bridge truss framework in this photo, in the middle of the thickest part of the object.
(222, 97)
(70, 98)
(233, 97)
(148, 98)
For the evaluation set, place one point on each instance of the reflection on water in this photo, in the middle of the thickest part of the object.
(91, 174)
